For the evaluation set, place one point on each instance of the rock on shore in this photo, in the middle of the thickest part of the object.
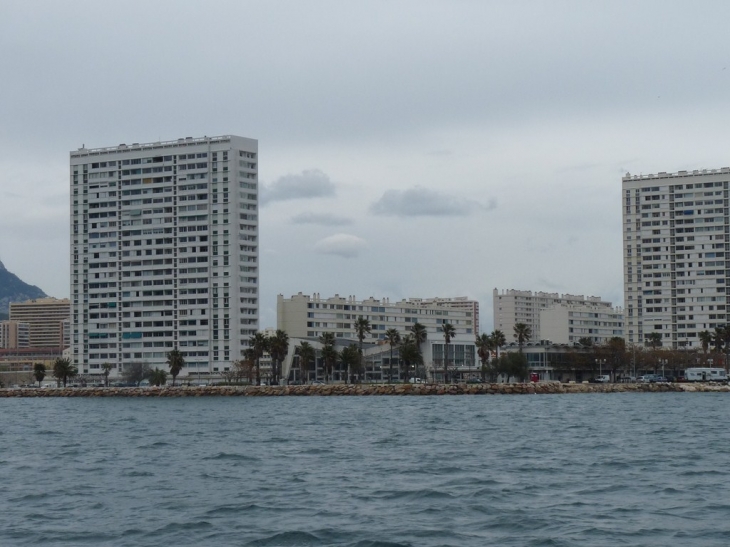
(360, 390)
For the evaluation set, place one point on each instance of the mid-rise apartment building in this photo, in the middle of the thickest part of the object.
(513, 306)
(569, 323)
(676, 245)
(45, 317)
(164, 253)
(304, 316)
(14, 335)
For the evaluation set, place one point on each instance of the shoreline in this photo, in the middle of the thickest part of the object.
(334, 390)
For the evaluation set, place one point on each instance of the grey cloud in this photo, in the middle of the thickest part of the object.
(311, 183)
(419, 201)
(323, 219)
(344, 245)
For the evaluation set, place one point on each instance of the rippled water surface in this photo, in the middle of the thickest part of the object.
(578, 470)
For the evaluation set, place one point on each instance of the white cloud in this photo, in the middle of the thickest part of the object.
(419, 201)
(323, 219)
(344, 245)
(311, 183)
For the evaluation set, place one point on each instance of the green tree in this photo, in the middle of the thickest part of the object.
(134, 373)
(39, 372)
(393, 338)
(409, 354)
(158, 377)
(362, 327)
(522, 334)
(350, 358)
(449, 332)
(420, 334)
(329, 355)
(259, 344)
(513, 365)
(306, 355)
(586, 342)
(176, 362)
(718, 338)
(654, 339)
(499, 340)
(484, 344)
(63, 370)
(106, 369)
(329, 360)
(278, 349)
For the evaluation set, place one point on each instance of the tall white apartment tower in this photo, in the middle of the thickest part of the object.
(676, 247)
(164, 253)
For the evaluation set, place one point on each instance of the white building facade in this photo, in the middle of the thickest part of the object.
(304, 316)
(164, 253)
(513, 306)
(676, 245)
(568, 324)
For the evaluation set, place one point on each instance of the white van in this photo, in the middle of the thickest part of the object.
(705, 374)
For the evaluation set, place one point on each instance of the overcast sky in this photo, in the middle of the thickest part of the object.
(407, 149)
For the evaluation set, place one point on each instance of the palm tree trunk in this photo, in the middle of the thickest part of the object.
(390, 370)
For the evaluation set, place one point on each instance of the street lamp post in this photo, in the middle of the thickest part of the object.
(663, 363)
(600, 363)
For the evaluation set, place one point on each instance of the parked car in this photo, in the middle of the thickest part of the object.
(647, 379)
(603, 379)
(661, 379)
(416, 381)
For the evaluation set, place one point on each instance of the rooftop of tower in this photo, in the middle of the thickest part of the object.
(186, 141)
(665, 175)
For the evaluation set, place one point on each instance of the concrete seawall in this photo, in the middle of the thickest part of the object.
(361, 390)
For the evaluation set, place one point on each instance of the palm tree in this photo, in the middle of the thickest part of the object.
(362, 327)
(484, 347)
(278, 349)
(106, 368)
(498, 339)
(39, 372)
(420, 333)
(329, 355)
(718, 338)
(350, 357)
(259, 343)
(522, 334)
(654, 339)
(176, 362)
(705, 339)
(409, 354)
(306, 356)
(158, 377)
(449, 332)
(393, 338)
(329, 359)
(63, 370)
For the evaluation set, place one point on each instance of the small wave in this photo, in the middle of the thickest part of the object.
(30, 497)
(231, 456)
(378, 543)
(139, 474)
(420, 494)
(284, 539)
(232, 509)
(153, 446)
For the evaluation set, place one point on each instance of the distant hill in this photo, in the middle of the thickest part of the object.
(13, 289)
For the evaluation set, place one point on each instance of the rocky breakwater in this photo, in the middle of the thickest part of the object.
(356, 390)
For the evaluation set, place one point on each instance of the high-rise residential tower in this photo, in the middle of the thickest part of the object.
(164, 253)
(676, 246)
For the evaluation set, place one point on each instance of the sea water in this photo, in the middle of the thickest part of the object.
(633, 469)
